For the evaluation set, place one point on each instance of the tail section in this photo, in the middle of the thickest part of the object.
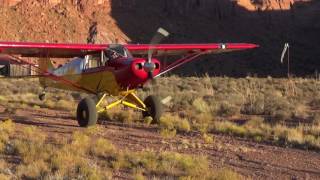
(45, 65)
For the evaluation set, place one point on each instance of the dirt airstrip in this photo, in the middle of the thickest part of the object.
(251, 159)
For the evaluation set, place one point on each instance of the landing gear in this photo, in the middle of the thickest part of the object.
(153, 108)
(42, 96)
(87, 112)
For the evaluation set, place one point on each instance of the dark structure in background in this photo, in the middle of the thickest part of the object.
(8, 69)
(203, 21)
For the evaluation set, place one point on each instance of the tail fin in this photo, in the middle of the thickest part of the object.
(45, 65)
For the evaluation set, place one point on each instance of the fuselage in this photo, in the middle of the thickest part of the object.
(93, 76)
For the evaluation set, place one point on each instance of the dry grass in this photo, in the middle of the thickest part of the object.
(270, 106)
(86, 155)
(204, 104)
(171, 124)
(168, 164)
(6, 129)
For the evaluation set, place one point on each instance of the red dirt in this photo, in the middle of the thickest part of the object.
(251, 159)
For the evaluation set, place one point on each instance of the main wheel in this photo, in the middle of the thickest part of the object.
(154, 108)
(87, 112)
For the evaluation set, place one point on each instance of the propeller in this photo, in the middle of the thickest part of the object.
(149, 66)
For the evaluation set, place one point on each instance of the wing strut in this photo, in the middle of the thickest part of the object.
(180, 62)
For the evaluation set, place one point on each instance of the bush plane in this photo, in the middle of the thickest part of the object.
(103, 70)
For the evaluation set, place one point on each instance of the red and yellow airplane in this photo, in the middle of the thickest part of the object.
(109, 70)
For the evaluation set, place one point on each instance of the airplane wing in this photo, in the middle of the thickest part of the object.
(182, 49)
(188, 51)
(51, 50)
(74, 50)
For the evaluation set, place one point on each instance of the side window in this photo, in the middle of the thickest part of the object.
(92, 61)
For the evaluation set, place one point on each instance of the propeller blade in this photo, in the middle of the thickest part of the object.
(166, 100)
(157, 38)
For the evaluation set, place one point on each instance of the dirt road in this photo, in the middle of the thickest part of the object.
(255, 160)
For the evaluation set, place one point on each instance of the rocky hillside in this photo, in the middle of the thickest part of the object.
(269, 23)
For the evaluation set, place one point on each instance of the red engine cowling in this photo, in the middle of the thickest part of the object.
(132, 73)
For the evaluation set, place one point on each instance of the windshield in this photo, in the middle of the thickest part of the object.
(120, 49)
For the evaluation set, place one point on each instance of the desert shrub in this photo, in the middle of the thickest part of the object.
(301, 111)
(3, 168)
(183, 125)
(226, 174)
(167, 121)
(313, 130)
(208, 138)
(33, 170)
(229, 128)
(295, 136)
(48, 103)
(315, 103)
(123, 116)
(66, 160)
(226, 109)
(102, 148)
(253, 106)
(11, 108)
(7, 127)
(202, 122)
(175, 163)
(316, 118)
(65, 105)
(277, 107)
(138, 176)
(170, 123)
(80, 143)
(168, 133)
(310, 140)
(182, 101)
(255, 122)
(105, 116)
(30, 146)
(70, 160)
(168, 163)
(200, 106)
(279, 133)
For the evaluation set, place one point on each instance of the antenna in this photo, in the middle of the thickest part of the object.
(286, 48)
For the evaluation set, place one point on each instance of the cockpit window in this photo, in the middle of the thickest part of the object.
(92, 61)
(120, 50)
(114, 52)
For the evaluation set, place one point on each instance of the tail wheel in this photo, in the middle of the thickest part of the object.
(154, 108)
(42, 96)
(87, 112)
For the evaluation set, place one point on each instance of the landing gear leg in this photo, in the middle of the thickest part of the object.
(151, 106)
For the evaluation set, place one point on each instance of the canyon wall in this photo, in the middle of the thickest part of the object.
(251, 5)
